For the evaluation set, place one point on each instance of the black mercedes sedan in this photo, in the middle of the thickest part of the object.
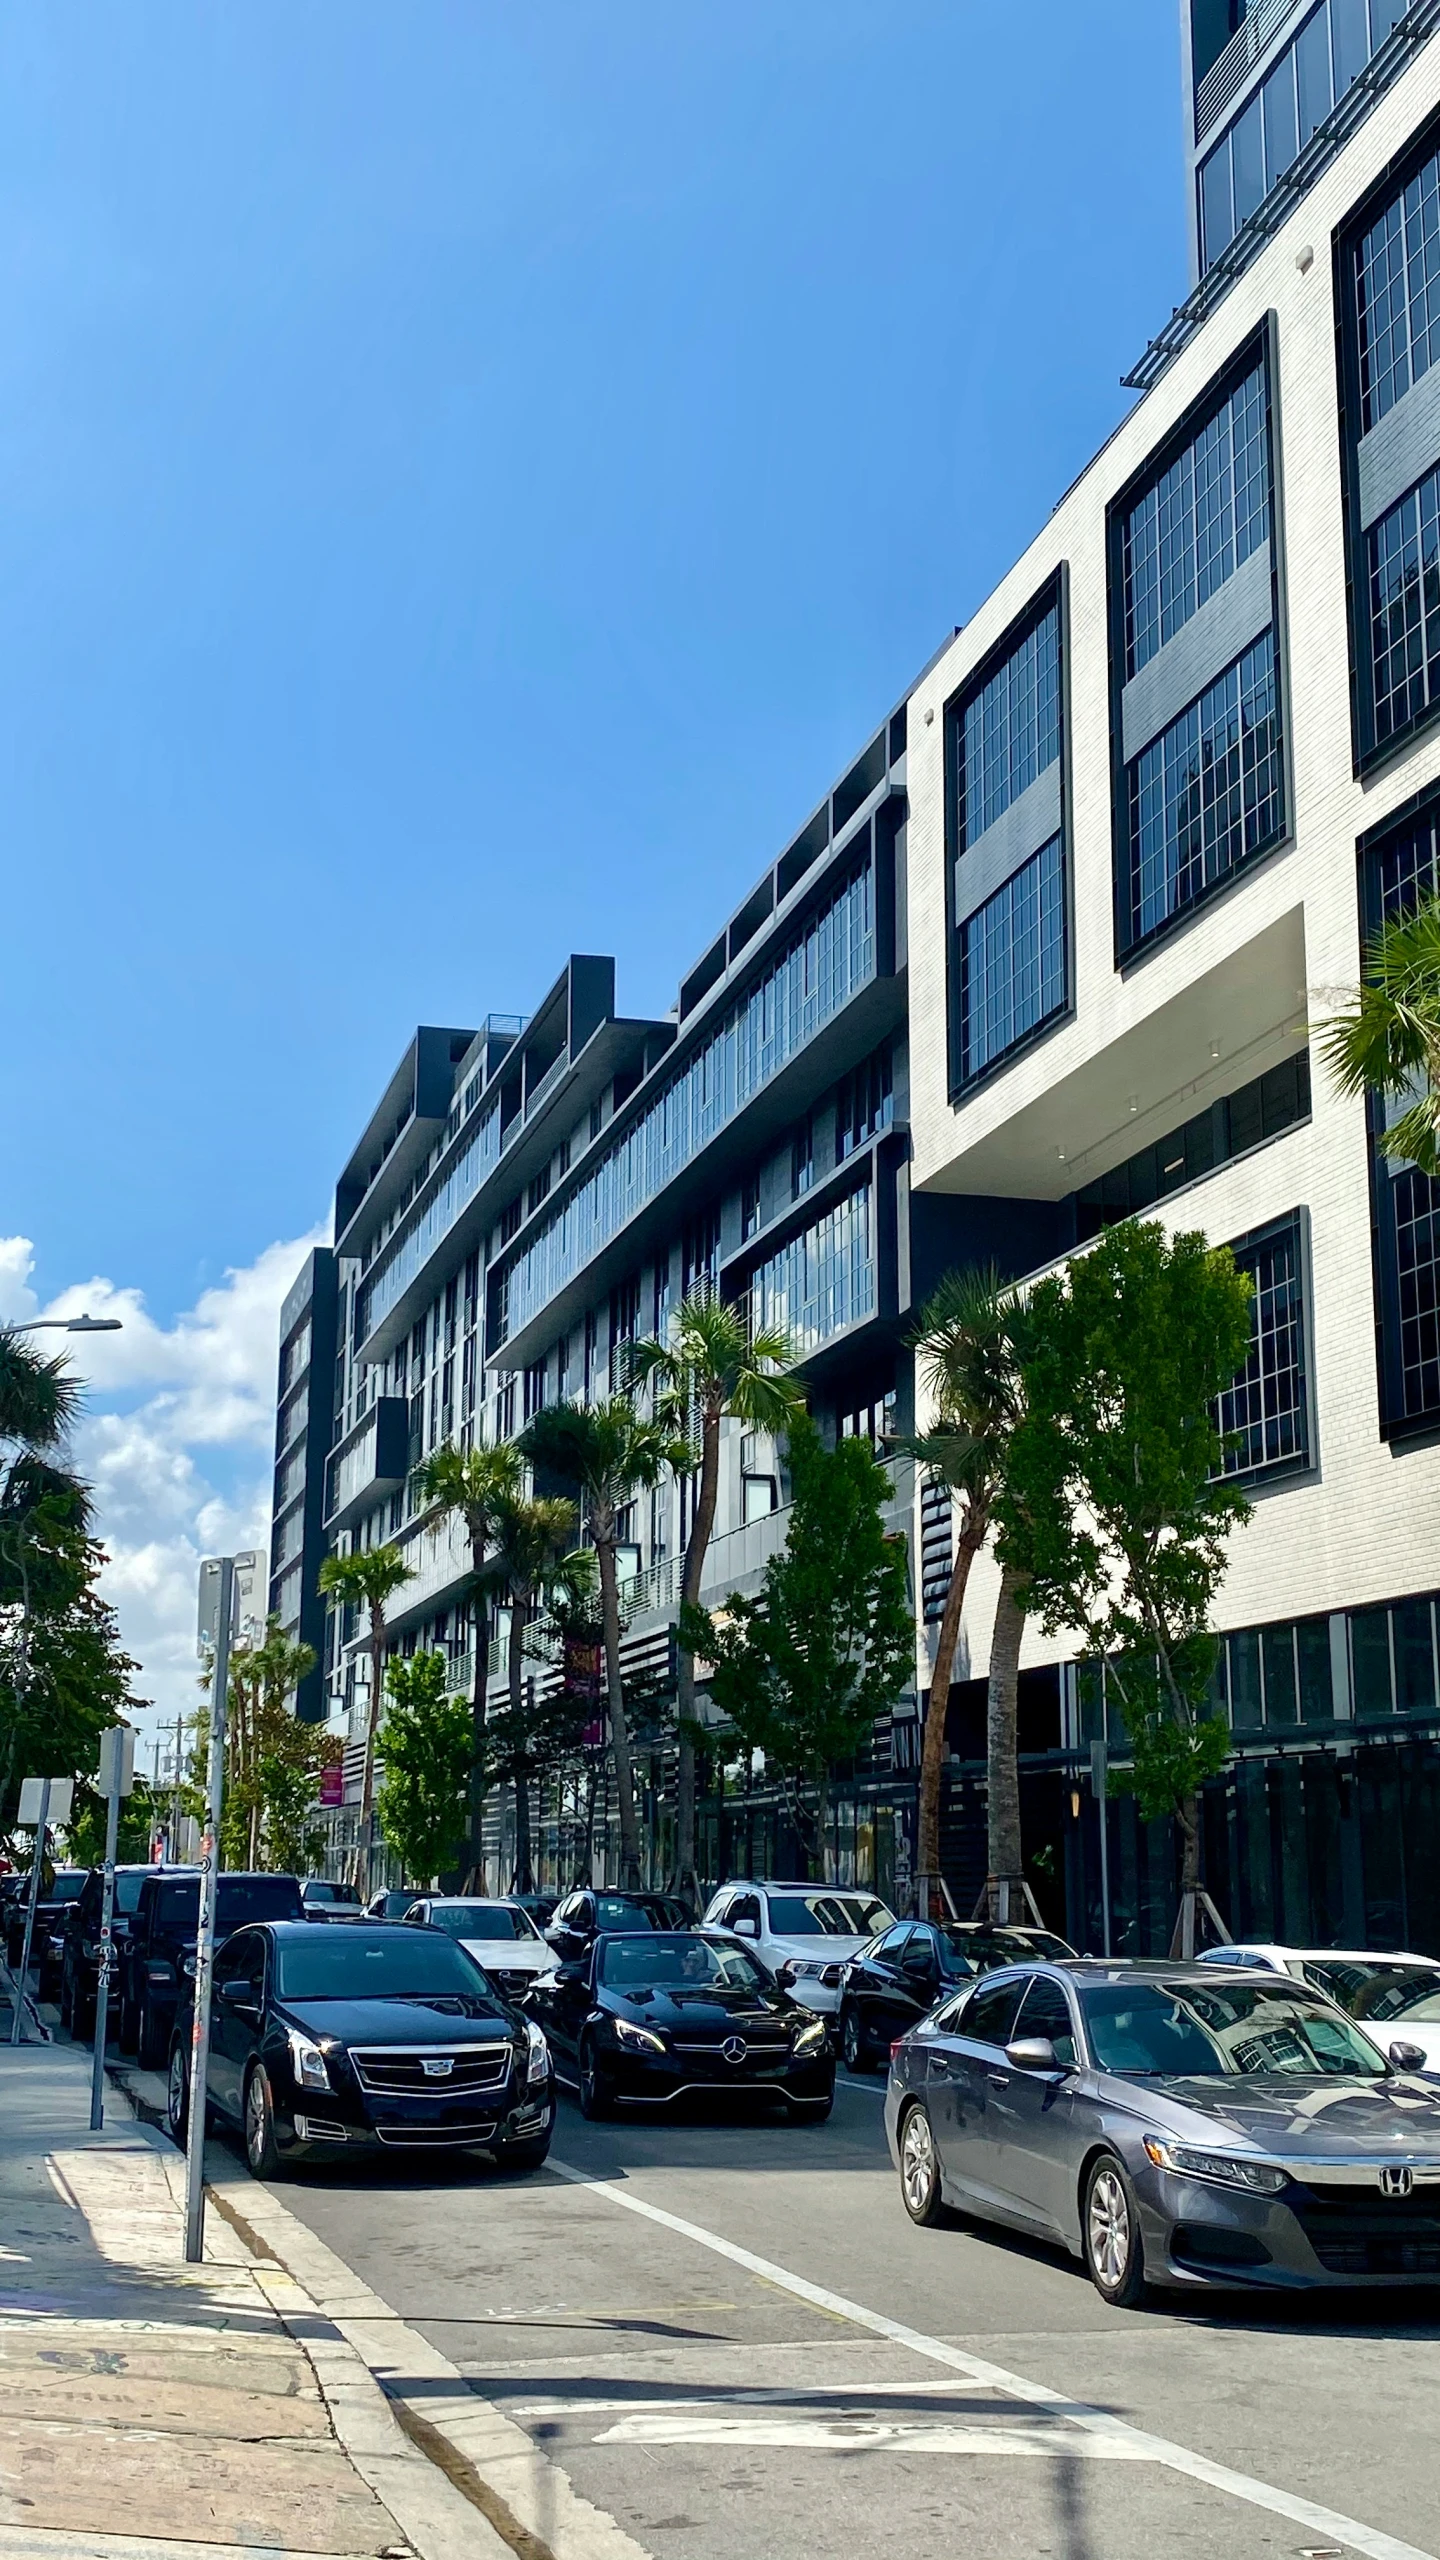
(1172, 2125)
(644, 2018)
(376, 2036)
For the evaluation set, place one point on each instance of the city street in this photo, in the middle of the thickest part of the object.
(733, 2341)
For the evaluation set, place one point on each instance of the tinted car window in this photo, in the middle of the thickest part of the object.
(127, 1889)
(1193, 2030)
(1375, 1991)
(479, 1920)
(343, 1964)
(1045, 2011)
(671, 1963)
(891, 1944)
(991, 2014)
(242, 1898)
(243, 1960)
(826, 1915)
(655, 1911)
(177, 1905)
(68, 1887)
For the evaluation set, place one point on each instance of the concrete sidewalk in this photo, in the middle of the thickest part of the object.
(154, 2411)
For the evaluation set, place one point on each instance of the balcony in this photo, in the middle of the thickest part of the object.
(1227, 76)
(373, 1462)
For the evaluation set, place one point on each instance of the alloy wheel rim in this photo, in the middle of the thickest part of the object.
(177, 2090)
(255, 2117)
(1109, 2228)
(918, 2162)
(851, 2041)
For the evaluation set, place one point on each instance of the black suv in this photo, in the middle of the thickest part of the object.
(50, 1914)
(80, 1961)
(161, 1947)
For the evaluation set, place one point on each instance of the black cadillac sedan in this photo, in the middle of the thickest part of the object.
(1172, 2125)
(646, 2018)
(376, 2036)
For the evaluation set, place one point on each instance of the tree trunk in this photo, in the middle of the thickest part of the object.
(695, 1550)
(519, 1612)
(475, 1881)
(932, 1756)
(1003, 1770)
(372, 1727)
(619, 1724)
(254, 1834)
(822, 1827)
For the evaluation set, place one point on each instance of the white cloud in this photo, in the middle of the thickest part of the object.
(176, 1440)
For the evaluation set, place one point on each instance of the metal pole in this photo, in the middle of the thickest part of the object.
(102, 1985)
(205, 1938)
(174, 1849)
(38, 1861)
(1100, 1781)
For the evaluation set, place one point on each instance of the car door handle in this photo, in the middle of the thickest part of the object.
(939, 2067)
(998, 2079)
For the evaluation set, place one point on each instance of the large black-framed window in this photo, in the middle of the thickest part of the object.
(1399, 870)
(1387, 270)
(1196, 662)
(1006, 835)
(1265, 1412)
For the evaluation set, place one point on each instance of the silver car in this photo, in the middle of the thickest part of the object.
(1171, 2124)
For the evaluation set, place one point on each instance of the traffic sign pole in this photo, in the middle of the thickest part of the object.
(1100, 1781)
(217, 1610)
(40, 1827)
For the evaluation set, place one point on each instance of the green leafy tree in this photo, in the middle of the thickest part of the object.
(368, 1578)
(142, 1814)
(965, 1363)
(264, 1742)
(64, 1675)
(1387, 1039)
(802, 1669)
(294, 1841)
(1115, 1510)
(424, 1749)
(607, 1453)
(532, 1535)
(712, 1368)
(469, 1485)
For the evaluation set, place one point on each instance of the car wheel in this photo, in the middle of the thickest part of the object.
(149, 2039)
(177, 2094)
(596, 2102)
(854, 2043)
(261, 2152)
(920, 2170)
(126, 2032)
(523, 2156)
(1110, 2224)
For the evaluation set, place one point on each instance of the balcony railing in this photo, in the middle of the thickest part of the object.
(1226, 77)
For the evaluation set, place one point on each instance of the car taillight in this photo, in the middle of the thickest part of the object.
(894, 2049)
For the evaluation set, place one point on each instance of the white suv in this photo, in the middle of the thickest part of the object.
(804, 1932)
(1395, 1998)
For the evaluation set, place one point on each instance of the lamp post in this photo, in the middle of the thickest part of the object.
(70, 1324)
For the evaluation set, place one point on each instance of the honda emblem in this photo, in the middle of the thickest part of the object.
(1395, 2182)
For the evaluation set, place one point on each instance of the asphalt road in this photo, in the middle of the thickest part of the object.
(732, 2339)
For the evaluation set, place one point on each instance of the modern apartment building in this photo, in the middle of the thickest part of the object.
(1178, 763)
(1054, 949)
(304, 1412)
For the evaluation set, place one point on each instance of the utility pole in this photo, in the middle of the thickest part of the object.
(175, 1789)
(217, 1612)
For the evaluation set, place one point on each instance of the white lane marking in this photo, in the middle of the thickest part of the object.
(872, 2088)
(761, 2396)
(1096, 2422)
(870, 2435)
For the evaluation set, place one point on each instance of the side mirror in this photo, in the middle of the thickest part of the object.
(574, 1971)
(236, 1993)
(746, 1928)
(1033, 2053)
(1405, 2056)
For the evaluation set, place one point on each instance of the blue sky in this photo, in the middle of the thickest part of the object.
(474, 473)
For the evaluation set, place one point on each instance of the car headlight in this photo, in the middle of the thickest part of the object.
(1221, 2168)
(810, 2037)
(639, 2039)
(308, 2062)
(539, 2063)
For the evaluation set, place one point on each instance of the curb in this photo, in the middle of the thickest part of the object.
(511, 2493)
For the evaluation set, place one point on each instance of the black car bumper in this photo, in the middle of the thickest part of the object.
(316, 2122)
(658, 2080)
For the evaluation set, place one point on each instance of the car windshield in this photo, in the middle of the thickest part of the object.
(673, 1963)
(346, 1964)
(1163, 2030)
(987, 1949)
(67, 1887)
(127, 1888)
(1421, 2002)
(240, 1899)
(653, 1911)
(480, 1920)
(827, 1915)
(1387, 1990)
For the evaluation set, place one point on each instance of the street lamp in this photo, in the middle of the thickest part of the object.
(70, 1324)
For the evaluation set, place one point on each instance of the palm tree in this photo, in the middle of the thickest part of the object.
(1387, 1039)
(531, 1539)
(39, 1398)
(470, 1485)
(609, 1453)
(368, 1577)
(965, 1364)
(713, 1367)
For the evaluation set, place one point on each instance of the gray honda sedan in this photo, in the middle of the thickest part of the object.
(1172, 2125)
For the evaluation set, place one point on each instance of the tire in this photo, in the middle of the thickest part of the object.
(150, 2038)
(261, 2154)
(920, 2171)
(523, 2156)
(596, 2102)
(854, 2042)
(1110, 2233)
(127, 2033)
(177, 2094)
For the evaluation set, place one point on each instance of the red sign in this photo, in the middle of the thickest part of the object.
(332, 1784)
